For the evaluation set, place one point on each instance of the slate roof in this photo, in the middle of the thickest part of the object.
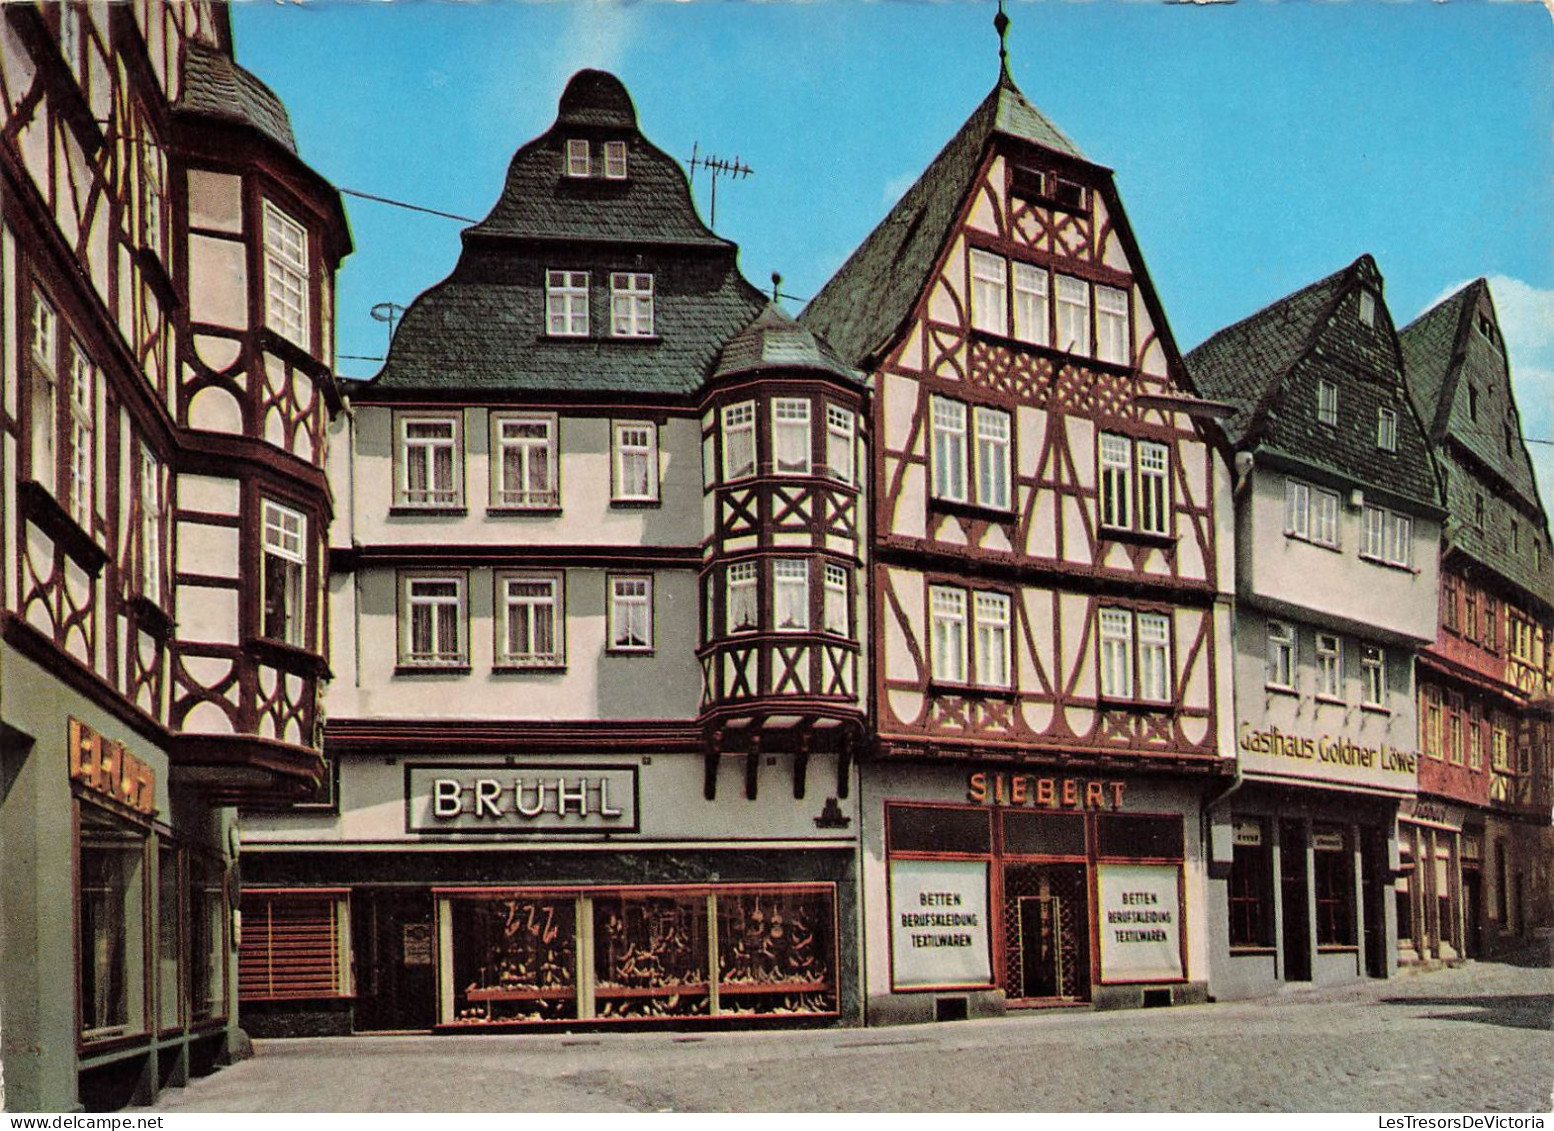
(776, 341)
(214, 86)
(864, 304)
(482, 330)
(1445, 352)
(1269, 365)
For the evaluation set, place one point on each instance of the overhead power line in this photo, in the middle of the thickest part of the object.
(411, 207)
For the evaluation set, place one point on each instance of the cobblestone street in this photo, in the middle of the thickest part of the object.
(1476, 1038)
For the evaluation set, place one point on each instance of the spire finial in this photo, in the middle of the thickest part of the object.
(1001, 26)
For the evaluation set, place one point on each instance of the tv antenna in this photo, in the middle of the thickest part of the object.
(716, 167)
(388, 312)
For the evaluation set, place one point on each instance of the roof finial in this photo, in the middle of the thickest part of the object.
(1001, 26)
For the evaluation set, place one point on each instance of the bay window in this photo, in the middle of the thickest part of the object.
(840, 429)
(286, 277)
(790, 436)
(790, 594)
(835, 616)
(284, 538)
(738, 440)
(742, 605)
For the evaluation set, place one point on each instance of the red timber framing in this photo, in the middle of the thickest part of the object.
(1055, 544)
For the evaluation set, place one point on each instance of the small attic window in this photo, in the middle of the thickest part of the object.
(1472, 403)
(1367, 308)
(615, 160)
(1028, 184)
(1487, 329)
(577, 157)
(1068, 194)
(1327, 402)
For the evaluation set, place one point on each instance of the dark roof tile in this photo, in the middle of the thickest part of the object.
(214, 86)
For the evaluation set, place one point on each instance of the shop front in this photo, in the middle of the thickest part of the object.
(1005, 888)
(1439, 882)
(487, 895)
(114, 914)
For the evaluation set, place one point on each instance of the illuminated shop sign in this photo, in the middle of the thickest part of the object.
(938, 924)
(1329, 756)
(106, 768)
(1140, 922)
(503, 799)
(1043, 793)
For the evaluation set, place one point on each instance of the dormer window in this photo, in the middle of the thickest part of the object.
(577, 157)
(1029, 184)
(1068, 194)
(1367, 308)
(631, 305)
(615, 160)
(566, 304)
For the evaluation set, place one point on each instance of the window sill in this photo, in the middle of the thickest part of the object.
(548, 511)
(1138, 537)
(636, 504)
(1295, 536)
(628, 653)
(548, 668)
(289, 657)
(633, 339)
(45, 511)
(432, 510)
(431, 669)
(1331, 700)
(1375, 709)
(1280, 689)
(972, 690)
(972, 510)
(275, 342)
(1252, 950)
(1399, 566)
(1337, 948)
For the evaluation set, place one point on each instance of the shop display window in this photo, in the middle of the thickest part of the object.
(1139, 838)
(1333, 877)
(112, 925)
(934, 828)
(169, 921)
(1251, 885)
(207, 962)
(1044, 834)
(620, 954)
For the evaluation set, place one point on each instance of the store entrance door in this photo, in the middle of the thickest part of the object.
(396, 960)
(1047, 932)
(1297, 913)
(1472, 901)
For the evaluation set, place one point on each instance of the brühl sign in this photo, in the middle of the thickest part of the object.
(499, 800)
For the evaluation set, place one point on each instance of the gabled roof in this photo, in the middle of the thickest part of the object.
(1429, 346)
(863, 305)
(776, 341)
(214, 86)
(483, 329)
(1269, 366)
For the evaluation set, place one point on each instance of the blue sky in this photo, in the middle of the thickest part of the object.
(1257, 146)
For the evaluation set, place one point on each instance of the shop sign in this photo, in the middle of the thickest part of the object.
(1329, 756)
(1327, 841)
(418, 944)
(1423, 811)
(1043, 793)
(938, 924)
(1248, 832)
(503, 799)
(1472, 848)
(1140, 927)
(105, 767)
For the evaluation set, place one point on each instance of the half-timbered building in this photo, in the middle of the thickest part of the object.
(1338, 521)
(598, 649)
(1476, 849)
(166, 266)
(1049, 580)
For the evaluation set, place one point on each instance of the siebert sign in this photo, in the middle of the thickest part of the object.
(496, 799)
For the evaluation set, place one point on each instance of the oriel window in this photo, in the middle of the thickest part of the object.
(790, 435)
(835, 611)
(742, 604)
(790, 593)
(840, 428)
(285, 561)
(738, 440)
(286, 276)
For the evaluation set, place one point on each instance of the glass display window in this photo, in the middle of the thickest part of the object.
(515, 958)
(651, 956)
(112, 915)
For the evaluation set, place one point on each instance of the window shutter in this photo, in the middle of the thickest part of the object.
(291, 947)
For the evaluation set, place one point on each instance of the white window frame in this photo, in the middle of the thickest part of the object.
(566, 303)
(284, 547)
(1324, 517)
(1400, 541)
(45, 405)
(1112, 325)
(1373, 676)
(1032, 304)
(993, 456)
(508, 600)
(1330, 665)
(535, 491)
(989, 292)
(738, 422)
(1282, 654)
(631, 304)
(615, 160)
(1155, 675)
(287, 303)
(1154, 487)
(635, 442)
(742, 594)
(1297, 509)
(631, 613)
(792, 436)
(81, 431)
(1115, 456)
(1367, 308)
(835, 603)
(947, 424)
(1387, 429)
(1327, 402)
(1373, 533)
(947, 629)
(841, 443)
(578, 163)
(790, 595)
(423, 611)
(1115, 653)
(151, 509)
(1073, 305)
(421, 452)
(991, 621)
